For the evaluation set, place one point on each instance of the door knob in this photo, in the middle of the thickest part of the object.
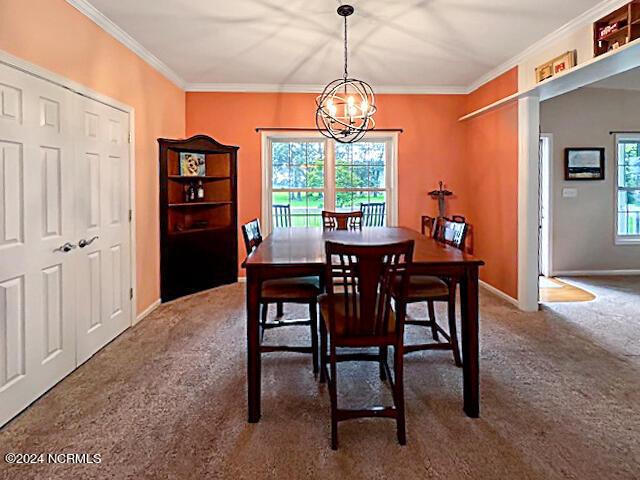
(67, 247)
(83, 243)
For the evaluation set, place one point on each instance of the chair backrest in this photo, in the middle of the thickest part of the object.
(282, 216)
(341, 220)
(252, 235)
(372, 214)
(451, 231)
(361, 281)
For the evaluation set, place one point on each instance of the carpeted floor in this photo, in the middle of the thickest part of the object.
(560, 399)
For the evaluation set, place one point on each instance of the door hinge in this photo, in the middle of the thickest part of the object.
(131, 294)
(130, 215)
(129, 137)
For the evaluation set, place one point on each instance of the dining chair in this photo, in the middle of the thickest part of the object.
(299, 290)
(341, 220)
(360, 316)
(282, 216)
(372, 214)
(431, 289)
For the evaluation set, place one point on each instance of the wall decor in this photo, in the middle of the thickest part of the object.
(584, 163)
(556, 66)
(192, 164)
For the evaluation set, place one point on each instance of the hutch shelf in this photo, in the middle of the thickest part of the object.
(198, 231)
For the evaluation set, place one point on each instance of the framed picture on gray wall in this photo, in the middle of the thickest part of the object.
(584, 163)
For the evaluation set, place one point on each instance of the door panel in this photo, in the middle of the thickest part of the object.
(64, 176)
(37, 292)
(102, 218)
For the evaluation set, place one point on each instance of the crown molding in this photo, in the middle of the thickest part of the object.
(317, 89)
(123, 37)
(586, 18)
(116, 32)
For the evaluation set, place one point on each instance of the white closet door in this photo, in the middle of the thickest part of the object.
(37, 280)
(102, 218)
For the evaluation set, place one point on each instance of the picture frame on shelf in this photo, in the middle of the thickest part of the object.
(556, 66)
(584, 163)
(192, 164)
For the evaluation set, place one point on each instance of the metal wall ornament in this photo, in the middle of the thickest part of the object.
(346, 106)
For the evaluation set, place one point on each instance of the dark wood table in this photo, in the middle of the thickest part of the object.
(292, 252)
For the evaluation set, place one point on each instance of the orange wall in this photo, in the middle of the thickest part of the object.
(430, 149)
(54, 35)
(491, 189)
(476, 159)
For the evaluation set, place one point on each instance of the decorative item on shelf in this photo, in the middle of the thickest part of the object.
(612, 28)
(189, 192)
(556, 66)
(199, 224)
(200, 191)
(192, 164)
(617, 28)
(584, 163)
(441, 194)
(346, 106)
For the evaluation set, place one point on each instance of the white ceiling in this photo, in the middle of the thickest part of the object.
(393, 43)
(629, 80)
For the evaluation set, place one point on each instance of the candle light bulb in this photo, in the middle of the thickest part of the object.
(364, 107)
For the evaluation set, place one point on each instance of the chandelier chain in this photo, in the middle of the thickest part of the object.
(346, 53)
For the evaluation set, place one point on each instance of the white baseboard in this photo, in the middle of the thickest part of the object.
(242, 279)
(147, 311)
(499, 293)
(594, 273)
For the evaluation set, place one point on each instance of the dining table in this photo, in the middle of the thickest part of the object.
(296, 252)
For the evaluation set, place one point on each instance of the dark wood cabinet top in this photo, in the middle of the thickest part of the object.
(296, 246)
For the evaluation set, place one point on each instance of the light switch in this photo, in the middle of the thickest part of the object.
(569, 192)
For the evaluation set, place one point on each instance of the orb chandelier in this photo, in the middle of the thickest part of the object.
(346, 107)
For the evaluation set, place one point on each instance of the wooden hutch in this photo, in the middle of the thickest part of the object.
(198, 232)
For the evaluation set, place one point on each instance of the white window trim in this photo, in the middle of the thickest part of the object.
(267, 138)
(621, 239)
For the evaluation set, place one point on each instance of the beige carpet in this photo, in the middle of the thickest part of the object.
(560, 400)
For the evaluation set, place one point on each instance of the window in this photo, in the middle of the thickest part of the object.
(298, 179)
(311, 173)
(628, 189)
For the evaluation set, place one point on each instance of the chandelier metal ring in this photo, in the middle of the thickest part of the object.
(346, 106)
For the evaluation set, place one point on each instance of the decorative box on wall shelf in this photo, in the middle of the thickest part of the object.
(198, 216)
(617, 29)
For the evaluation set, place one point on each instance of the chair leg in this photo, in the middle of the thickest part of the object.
(432, 319)
(398, 368)
(384, 353)
(263, 322)
(313, 318)
(279, 309)
(453, 331)
(333, 392)
(323, 351)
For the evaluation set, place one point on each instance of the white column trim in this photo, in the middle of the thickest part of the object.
(528, 179)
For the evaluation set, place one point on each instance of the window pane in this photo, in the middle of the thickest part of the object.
(306, 207)
(344, 176)
(298, 153)
(297, 165)
(344, 201)
(628, 187)
(377, 178)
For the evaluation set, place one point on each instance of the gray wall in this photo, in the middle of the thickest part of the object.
(583, 227)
